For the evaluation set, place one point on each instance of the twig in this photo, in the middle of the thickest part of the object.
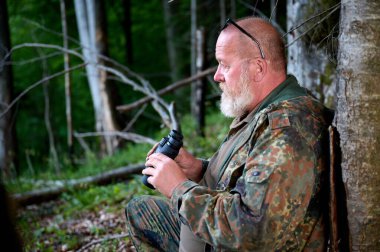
(317, 23)
(106, 238)
(36, 84)
(134, 119)
(337, 6)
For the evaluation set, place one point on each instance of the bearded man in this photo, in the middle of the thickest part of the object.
(263, 189)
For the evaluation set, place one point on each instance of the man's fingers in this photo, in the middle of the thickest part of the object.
(148, 171)
(152, 150)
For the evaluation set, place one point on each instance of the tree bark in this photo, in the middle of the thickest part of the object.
(7, 122)
(358, 119)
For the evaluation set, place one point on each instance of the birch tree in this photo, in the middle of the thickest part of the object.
(358, 119)
(92, 37)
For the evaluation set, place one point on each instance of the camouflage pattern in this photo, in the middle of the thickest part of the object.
(262, 191)
(152, 225)
(268, 195)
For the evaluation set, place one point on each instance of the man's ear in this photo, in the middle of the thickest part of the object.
(260, 69)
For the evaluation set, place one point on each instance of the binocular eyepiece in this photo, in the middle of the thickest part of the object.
(169, 146)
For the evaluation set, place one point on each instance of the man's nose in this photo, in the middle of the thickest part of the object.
(218, 77)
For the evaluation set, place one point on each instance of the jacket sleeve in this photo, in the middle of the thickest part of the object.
(271, 205)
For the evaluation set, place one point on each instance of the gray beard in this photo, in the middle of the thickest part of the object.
(236, 105)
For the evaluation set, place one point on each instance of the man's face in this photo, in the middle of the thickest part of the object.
(236, 99)
(234, 78)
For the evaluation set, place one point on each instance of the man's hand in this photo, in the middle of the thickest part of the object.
(164, 172)
(190, 165)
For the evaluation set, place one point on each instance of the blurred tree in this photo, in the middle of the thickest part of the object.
(7, 127)
(309, 37)
(127, 25)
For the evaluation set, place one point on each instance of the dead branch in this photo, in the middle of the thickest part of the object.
(171, 87)
(143, 85)
(46, 194)
(127, 136)
(36, 84)
(106, 238)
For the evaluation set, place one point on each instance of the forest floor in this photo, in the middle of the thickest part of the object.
(58, 226)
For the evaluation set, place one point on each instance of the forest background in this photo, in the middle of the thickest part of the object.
(69, 68)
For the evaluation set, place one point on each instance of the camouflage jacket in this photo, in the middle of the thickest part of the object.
(268, 192)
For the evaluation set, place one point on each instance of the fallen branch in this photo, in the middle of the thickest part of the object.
(106, 238)
(41, 195)
(174, 86)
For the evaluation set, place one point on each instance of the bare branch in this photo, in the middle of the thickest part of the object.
(127, 136)
(36, 84)
(106, 238)
(145, 86)
(169, 88)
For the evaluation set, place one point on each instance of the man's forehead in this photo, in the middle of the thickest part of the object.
(227, 41)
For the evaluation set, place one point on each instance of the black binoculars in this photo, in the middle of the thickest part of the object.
(169, 146)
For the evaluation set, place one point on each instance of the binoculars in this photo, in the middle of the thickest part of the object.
(169, 146)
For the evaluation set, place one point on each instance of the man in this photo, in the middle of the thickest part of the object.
(262, 190)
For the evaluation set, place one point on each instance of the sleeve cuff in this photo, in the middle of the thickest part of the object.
(178, 192)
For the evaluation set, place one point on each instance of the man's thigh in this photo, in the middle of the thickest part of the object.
(152, 225)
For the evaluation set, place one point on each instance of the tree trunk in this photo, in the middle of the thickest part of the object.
(193, 51)
(222, 11)
(91, 26)
(128, 31)
(358, 119)
(7, 127)
(200, 87)
(307, 61)
(66, 60)
(170, 37)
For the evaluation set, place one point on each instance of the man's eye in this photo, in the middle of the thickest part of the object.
(225, 67)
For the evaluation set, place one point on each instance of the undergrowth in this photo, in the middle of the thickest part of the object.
(45, 228)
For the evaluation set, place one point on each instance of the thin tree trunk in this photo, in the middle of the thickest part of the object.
(128, 31)
(358, 119)
(170, 45)
(45, 85)
(233, 9)
(7, 128)
(66, 61)
(199, 104)
(193, 44)
(222, 11)
(273, 9)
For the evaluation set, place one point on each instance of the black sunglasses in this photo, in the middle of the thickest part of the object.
(230, 21)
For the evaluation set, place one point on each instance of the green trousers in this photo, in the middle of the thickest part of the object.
(153, 227)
